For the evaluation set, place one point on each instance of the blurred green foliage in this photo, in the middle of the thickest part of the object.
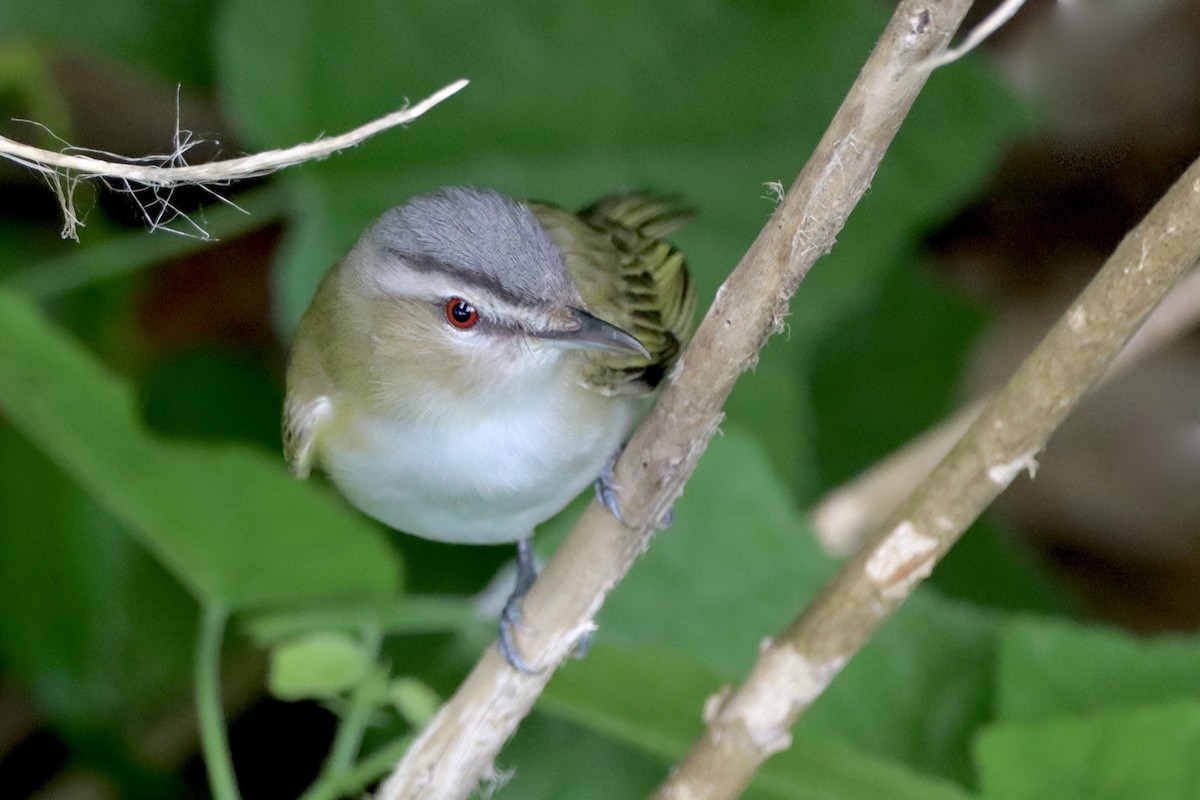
(226, 521)
(133, 475)
(1112, 754)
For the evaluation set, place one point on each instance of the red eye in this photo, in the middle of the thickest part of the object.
(461, 314)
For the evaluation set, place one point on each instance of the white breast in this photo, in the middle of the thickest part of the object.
(486, 481)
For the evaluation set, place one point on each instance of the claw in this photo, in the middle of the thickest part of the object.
(606, 493)
(510, 617)
(507, 644)
(668, 519)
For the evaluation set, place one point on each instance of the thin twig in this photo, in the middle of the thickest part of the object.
(459, 746)
(993, 22)
(845, 516)
(65, 169)
(747, 725)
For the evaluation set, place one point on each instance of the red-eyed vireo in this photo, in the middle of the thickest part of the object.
(475, 362)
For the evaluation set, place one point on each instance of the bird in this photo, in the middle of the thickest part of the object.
(475, 362)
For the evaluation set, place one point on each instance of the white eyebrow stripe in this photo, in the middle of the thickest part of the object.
(427, 266)
(400, 279)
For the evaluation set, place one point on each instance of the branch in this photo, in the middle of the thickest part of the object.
(458, 747)
(848, 514)
(748, 725)
(65, 169)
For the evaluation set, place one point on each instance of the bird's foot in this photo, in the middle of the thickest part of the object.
(606, 493)
(510, 616)
(510, 620)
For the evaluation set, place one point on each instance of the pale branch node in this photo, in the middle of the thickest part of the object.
(999, 444)
(1003, 474)
(903, 558)
(64, 169)
(845, 516)
(461, 744)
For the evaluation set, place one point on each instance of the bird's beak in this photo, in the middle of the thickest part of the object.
(583, 331)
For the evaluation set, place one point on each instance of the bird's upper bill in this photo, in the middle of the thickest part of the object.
(583, 331)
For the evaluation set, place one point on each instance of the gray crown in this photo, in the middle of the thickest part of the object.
(479, 235)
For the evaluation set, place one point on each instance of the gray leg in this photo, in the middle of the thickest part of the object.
(510, 617)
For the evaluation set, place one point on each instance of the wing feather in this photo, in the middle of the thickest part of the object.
(629, 276)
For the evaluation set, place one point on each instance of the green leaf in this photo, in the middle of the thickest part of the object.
(167, 38)
(532, 51)
(1144, 753)
(775, 401)
(736, 565)
(919, 689)
(873, 390)
(318, 666)
(212, 393)
(655, 707)
(553, 759)
(1050, 668)
(227, 520)
(82, 602)
(415, 700)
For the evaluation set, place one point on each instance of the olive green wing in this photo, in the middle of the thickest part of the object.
(629, 276)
